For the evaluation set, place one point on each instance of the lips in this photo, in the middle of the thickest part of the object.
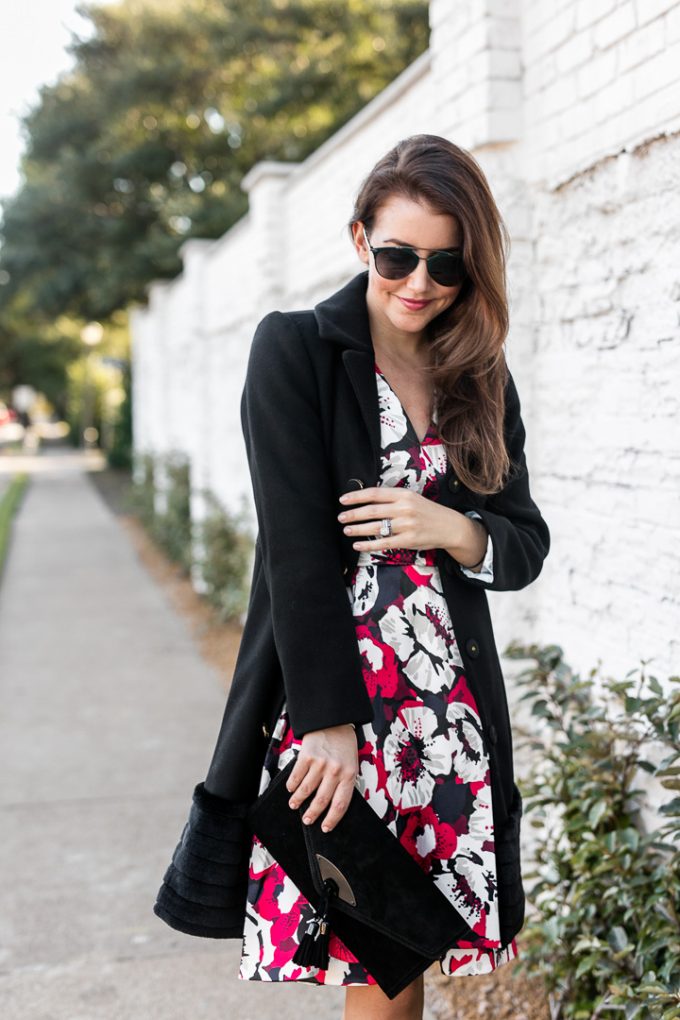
(413, 306)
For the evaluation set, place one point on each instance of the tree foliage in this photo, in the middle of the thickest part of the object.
(145, 141)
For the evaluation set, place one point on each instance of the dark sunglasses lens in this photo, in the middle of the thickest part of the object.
(395, 264)
(447, 270)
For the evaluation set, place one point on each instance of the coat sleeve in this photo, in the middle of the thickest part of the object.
(520, 536)
(299, 536)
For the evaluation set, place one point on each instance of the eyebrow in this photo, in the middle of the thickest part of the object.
(405, 244)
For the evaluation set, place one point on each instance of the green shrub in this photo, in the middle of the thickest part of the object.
(604, 931)
(120, 454)
(227, 553)
(141, 498)
(172, 528)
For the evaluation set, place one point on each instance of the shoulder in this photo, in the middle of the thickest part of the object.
(282, 329)
(282, 355)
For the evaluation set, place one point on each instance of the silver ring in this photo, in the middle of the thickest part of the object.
(386, 527)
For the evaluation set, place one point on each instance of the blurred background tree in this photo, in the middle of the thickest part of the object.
(169, 103)
(144, 143)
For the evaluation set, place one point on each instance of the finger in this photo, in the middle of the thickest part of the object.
(361, 495)
(302, 765)
(322, 798)
(307, 785)
(375, 510)
(339, 805)
(370, 528)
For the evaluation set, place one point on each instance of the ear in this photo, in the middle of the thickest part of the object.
(360, 241)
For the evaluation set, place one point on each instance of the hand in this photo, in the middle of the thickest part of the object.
(417, 522)
(327, 762)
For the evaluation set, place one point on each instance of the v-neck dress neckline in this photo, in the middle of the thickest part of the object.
(431, 431)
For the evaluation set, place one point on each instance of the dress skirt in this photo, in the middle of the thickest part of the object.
(423, 765)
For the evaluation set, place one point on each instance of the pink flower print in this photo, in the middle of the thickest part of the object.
(285, 925)
(339, 950)
(378, 663)
(427, 838)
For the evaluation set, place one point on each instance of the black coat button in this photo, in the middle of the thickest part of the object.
(472, 647)
(355, 483)
(454, 484)
(491, 734)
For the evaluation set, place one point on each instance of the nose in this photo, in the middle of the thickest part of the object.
(419, 280)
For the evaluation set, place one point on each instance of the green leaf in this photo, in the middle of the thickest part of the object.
(598, 811)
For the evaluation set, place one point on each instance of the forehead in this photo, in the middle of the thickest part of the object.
(414, 222)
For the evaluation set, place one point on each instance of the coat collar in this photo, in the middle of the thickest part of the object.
(343, 317)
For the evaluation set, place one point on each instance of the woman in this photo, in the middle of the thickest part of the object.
(386, 451)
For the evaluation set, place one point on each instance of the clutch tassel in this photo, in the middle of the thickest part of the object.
(313, 948)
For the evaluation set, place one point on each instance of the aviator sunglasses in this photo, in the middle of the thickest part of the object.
(445, 267)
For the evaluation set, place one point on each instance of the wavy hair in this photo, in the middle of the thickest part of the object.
(467, 361)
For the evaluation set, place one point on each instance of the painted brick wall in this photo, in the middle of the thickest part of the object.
(572, 109)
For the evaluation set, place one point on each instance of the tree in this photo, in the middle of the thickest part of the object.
(144, 143)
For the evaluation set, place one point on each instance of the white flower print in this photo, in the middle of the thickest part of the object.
(468, 880)
(397, 473)
(365, 586)
(367, 785)
(260, 859)
(427, 661)
(471, 762)
(413, 756)
(393, 423)
(256, 929)
(436, 454)
(396, 631)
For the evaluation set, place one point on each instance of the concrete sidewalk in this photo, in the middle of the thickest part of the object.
(108, 719)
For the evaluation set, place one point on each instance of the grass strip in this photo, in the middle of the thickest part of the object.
(9, 504)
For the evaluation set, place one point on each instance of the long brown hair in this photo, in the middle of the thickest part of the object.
(467, 361)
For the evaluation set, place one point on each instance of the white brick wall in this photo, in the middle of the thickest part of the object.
(573, 110)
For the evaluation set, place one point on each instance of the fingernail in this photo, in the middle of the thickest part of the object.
(324, 828)
(307, 820)
(343, 499)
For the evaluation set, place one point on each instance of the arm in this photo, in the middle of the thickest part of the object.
(296, 511)
(485, 571)
(520, 536)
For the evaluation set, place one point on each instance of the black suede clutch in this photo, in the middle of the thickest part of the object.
(364, 885)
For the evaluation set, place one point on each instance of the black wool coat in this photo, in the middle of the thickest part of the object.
(310, 417)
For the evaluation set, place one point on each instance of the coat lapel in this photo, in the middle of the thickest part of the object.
(342, 319)
(360, 369)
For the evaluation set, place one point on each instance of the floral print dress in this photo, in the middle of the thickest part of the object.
(423, 764)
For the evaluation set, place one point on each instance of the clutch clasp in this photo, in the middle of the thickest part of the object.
(329, 870)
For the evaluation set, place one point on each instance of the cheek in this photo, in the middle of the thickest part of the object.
(381, 287)
(448, 300)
